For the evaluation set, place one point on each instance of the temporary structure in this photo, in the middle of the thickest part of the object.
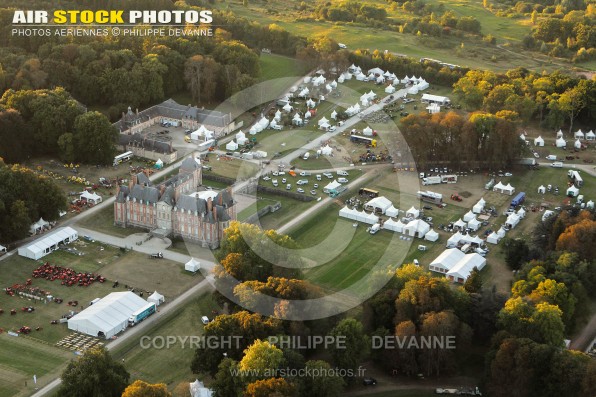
(521, 213)
(158, 164)
(390, 89)
(590, 136)
(192, 265)
(394, 226)
(326, 150)
(590, 204)
(541, 189)
(501, 232)
(334, 115)
(38, 226)
(108, 316)
(454, 240)
(91, 197)
(577, 144)
(431, 235)
(474, 224)
(197, 389)
(560, 142)
(479, 206)
(462, 270)
(241, 138)
(469, 216)
(231, 145)
(505, 189)
(323, 120)
(446, 260)
(493, 238)
(572, 191)
(559, 134)
(539, 141)
(378, 204)
(392, 211)
(460, 224)
(512, 220)
(579, 134)
(156, 298)
(367, 131)
(417, 228)
(413, 213)
(48, 243)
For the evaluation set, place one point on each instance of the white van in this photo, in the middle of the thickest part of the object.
(551, 157)
(557, 164)
(342, 180)
(318, 177)
(342, 173)
(205, 320)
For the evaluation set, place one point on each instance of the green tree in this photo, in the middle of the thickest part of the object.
(474, 282)
(356, 343)
(94, 373)
(226, 384)
(94, 138)
(261, 358)
(324, 385)
(270, 387)
(19, 222)
(67, 149)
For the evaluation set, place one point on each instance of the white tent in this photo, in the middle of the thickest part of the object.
(303, 93)
(417, 228)
(108, 316)
(460, 224)
(547, 214)
(454, 240)
(589, 204)
(392, 211)
(431, 235)
(446, 260)
(48, 243)
(325, 126)
(378, 71)
(405, 80)
(288, 108)
(38, 226)
(156, 298)
(508, 189)
(317, 81)
(559, 134)
(323, 120)
(521, 213)
(572, 191)
(273, 124)
(433, 108)
(307, 115)
(501, 232)
(360, 76)
(539, 141)
(512, 220)
(380, 79)
(577, 144)
(367, 131)
(422, 85)
(462, 270)
(493, 238)
(380, 203)
(478, 207)
(413, 213)
(560, 142)
(341, 78)
(590, 136)
(413, 90)
(334, 115)
(523, 137)
(91, 197)
(241, 139)
(331, 186)
(397, 227)
(348, 213)
(192, 265)
(2, 248)
(197, 389)
(474, 224)
(231, 145)
(469, 216)
(326, 150)
(541, 189)
(579, 134)
(371, 219)
(390, 89)
(311, 104)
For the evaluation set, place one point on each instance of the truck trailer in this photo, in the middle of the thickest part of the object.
(448, 178)
(431, 180)
(518, 199)
(142, 314)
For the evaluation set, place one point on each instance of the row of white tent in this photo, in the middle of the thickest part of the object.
(562, 143)
(579, 134)
(414, 228)
(456, 265)
(505, 189)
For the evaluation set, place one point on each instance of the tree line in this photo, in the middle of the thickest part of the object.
(51, 122)
(481, 139)
(24, 198)
(553, 99)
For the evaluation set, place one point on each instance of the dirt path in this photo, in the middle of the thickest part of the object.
(584, 339)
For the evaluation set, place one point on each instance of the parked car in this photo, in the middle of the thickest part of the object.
(266, 178)
(342, 180)
(283, 180)
(289, 186)
(369, 381)
(300, 190)
(316, 185)
(205, 320)
(313, 192)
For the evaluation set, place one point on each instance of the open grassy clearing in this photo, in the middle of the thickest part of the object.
(103, 221)
(21, 358)
(476, 53)
(275, 66)
(150, 364)
(232, 167)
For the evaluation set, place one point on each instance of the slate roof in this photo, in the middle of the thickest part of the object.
(122, 193)
(189, 203)
(137, 140)
(146, 194)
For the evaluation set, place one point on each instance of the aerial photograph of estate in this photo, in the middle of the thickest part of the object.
(318, 198)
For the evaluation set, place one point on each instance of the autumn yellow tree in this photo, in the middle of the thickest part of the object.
(143, 389)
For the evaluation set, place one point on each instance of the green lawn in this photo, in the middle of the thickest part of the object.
(103, 221)
(275, 66)
(234, 168)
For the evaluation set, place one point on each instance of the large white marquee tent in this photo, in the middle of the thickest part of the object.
(48, 243)
(108, 316)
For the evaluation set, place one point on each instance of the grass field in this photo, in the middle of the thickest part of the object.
(103, 221)
(150, 364)
(234, 168)
(275, 66)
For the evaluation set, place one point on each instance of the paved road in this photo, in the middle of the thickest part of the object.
(583, 340)
(587, 168)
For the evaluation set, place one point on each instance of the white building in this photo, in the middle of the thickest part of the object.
(378, 204)
(417, 228)
(108, 316)
(446, 260)
(48, 243)
(441, 100)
